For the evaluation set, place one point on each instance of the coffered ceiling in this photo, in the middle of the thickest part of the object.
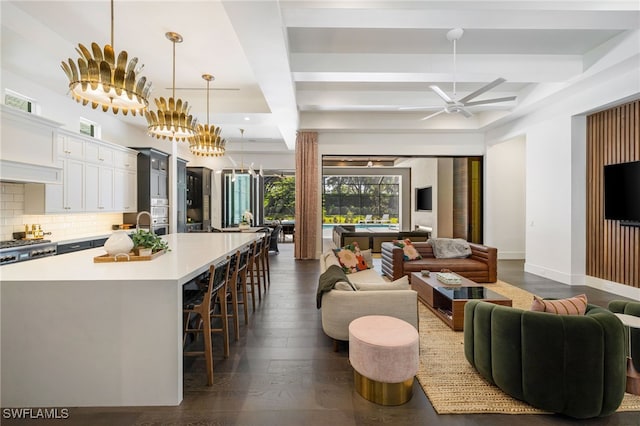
(349, 66)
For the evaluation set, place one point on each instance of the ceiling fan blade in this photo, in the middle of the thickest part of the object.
(414, 108)
(491, 101)
(433, 115)
(440, 93)
(483, 89)
(466, 113)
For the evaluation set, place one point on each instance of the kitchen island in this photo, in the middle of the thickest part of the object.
(78, 333)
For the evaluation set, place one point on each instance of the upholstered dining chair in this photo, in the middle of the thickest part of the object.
(275, 236)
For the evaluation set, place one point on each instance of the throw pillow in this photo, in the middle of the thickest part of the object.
(408, 249)
(572, 306)
(351, 258)
(368, 257)
(450, 248)
(330, 259)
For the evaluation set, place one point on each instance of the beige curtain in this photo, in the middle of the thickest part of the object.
(306, 227)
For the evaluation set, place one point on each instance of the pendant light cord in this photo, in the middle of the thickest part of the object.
(173, 84)
(112, 26)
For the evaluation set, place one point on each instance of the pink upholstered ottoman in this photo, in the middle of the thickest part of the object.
(384, 353)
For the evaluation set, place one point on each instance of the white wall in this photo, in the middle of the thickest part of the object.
(444, 199)
(504, 200)
(435, 143)
(555, 178)
(424, 172)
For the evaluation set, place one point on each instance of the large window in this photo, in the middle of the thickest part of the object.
(279, 197)
(351, 199)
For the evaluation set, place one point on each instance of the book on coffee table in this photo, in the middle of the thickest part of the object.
(448, 278)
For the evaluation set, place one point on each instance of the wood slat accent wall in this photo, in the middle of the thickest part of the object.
(613, 251)
(460, 198)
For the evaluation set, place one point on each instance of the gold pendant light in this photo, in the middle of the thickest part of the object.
(173, 120)
(101, 79)
(207, 142)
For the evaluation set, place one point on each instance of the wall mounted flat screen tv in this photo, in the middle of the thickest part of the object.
(622, 192)
(423, 199)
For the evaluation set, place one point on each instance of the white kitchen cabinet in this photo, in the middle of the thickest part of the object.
(97, 152)
(98, 176)
(70, 146)
(68, 197)
(126, 191)
(99, 188)
(126, 160)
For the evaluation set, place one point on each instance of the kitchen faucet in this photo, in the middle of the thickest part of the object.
(138, 219)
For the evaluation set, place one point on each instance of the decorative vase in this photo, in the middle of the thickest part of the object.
(243, 226)
(118, 242)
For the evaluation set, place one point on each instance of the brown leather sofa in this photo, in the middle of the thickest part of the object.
(347, 234)
(480, 267)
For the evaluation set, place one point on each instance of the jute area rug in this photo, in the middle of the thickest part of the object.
(449, 381)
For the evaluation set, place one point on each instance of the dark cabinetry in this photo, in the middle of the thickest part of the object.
(158, 174)
(153, 178)
(153, 195)
(80, 245)
(182, 195)
(199, 195)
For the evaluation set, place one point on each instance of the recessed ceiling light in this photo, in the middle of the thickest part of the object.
(247, 119)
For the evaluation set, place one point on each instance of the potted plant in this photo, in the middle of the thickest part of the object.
(147, 242)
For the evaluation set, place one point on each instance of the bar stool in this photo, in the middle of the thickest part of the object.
(200, 304)
(264, 258)
(254, 270)
(240, 279)
(232, 293)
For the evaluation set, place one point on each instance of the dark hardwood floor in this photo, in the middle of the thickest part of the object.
(283, 370)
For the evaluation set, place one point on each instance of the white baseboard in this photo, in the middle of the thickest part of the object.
(511, 255)
(548, 273)
(613, 287)
(600, 284)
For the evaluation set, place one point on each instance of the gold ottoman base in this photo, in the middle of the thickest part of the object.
(383, 393)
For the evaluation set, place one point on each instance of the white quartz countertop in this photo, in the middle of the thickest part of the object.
(190, 255)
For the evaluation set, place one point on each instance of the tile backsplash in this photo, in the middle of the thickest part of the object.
(61, 226)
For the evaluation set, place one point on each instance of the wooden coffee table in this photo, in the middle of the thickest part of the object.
(447, 302)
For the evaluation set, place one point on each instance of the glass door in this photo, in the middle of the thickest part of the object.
(240, 194)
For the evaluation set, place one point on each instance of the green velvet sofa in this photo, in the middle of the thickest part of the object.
(567, 364)
(630, 308)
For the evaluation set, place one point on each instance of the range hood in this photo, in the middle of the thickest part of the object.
(14, 171)
(28, 149)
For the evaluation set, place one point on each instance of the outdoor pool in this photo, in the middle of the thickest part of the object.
(327, 228)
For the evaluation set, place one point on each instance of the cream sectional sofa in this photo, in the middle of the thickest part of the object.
(375, 296)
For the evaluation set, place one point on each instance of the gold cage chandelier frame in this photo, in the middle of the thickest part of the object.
(101, 78)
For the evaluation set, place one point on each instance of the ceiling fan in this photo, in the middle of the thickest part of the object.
(453, 105)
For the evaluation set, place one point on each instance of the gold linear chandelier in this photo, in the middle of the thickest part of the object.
(173, 120)
(101, 79)
(207, 142)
